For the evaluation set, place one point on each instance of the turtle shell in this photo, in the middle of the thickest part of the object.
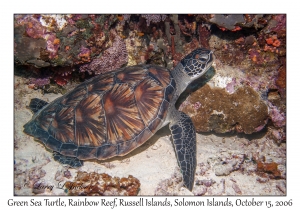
(108, 115)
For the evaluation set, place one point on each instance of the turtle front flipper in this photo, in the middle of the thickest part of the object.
(71, 161)
(36, 104)
(184, 138)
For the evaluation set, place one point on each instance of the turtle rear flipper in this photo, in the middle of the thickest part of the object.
(36, 104)
(184, 139)
(71, 161)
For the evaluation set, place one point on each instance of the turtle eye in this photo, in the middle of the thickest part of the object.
(203, 58)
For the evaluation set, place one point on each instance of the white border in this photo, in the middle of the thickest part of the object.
(8, 8)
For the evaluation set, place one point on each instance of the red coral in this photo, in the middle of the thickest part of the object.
(62, 79)
(63, 75)
(111, 59)
(268, 169)
(273, 42)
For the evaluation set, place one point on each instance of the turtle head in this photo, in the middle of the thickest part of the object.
(197, 62)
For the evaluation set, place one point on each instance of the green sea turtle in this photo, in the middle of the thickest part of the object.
(116, 112)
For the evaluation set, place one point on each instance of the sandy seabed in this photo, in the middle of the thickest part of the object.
(225, 163)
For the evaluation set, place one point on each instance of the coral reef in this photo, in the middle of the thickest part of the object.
(268, 169)
(278, 118)
(213, 109)
(39, 82)
(154, 18)
(29, 49)
(204, 35)
(246, 91)
(70, 39)
(281, 79)
(112, 58)
(226, 163)
(170, 186)
(102, 184)
(228, 21)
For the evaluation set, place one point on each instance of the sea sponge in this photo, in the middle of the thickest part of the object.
(214, 109)
(102, 184)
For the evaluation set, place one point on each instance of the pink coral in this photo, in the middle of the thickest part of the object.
(112, 58)
(230, 86)
(33, 26)
(36, 30)
(52, 44)
(39, 82)
(126, 18)
(277, 117)
(281, 23)
(196, 105)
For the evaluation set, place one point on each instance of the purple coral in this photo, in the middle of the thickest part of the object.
(230, 86)
(39, 82)
(36, 30)
(33, 26)
(277, 117)
(126, 18)
(52, 46)
(281, 23)
(112, 58)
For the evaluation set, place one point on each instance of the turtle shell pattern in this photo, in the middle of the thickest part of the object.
(108, 115)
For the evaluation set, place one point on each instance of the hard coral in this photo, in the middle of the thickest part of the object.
(29, 49)
(170, 186)
(102, 184)
(281, 79)
(154, 18)
(228, 21)
(243, 111)
(112, 58)
(34, 28)
(52, 44)
(62, 79)
(268, 170)
(39, 82)
(280, 27)
(278, 118)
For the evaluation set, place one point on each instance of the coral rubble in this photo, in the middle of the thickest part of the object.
(102, 184)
